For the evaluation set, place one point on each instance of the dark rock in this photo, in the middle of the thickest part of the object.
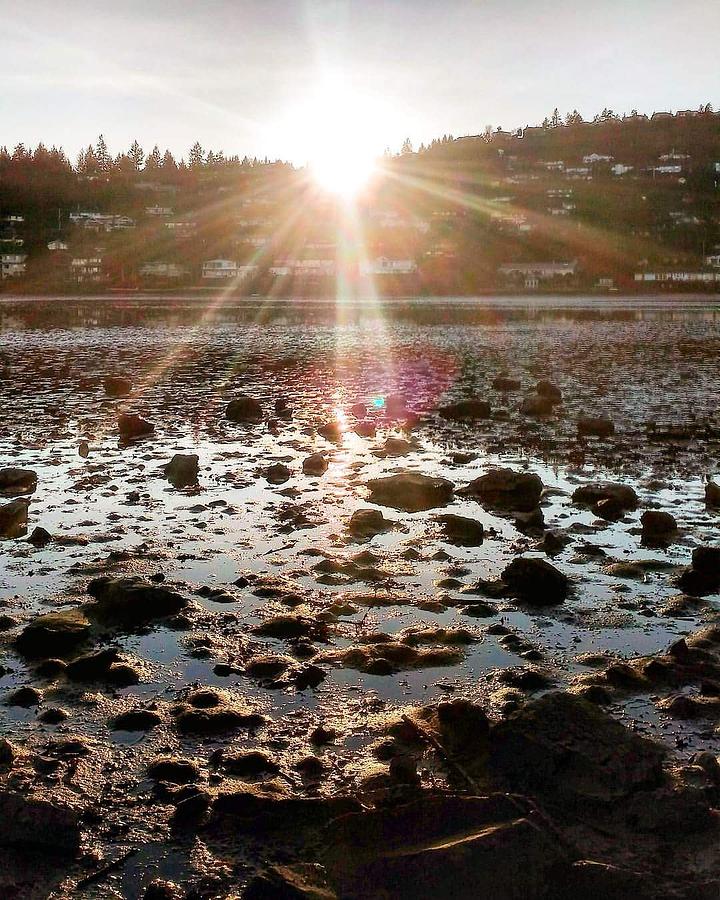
(131, 426)
(161, 890)
(331, 431)
(320, 736)
(302, 881)
(174, 770)
(92, 666)
(214, 721)
(116, 386)
(182, 470)
(466, 410)
(366, 523)
(536, 406)
(712, 495)
(596, 492)
(309, 677)
(462, 848)
(657, 526)
(14, 518)
(39, 537)
(30, 821)
(268, 666)
(316, 464)
(132, 600)
(703, 576)
(595, 426)
(277, 473)
(560, 744)
(535, 581)
(394, 446)
(56, 632)
(554, 542)
(51, 668)
(244, 409)
(291, 627)
(7, 623)
(136, 720)
(505, 385)
(14, 482)
(53, 715)
(461, 530)
(25, 696)
(260, 810)
(7, 752)
(549, 390)
(506, 489)
(411, 491)
(250, 764)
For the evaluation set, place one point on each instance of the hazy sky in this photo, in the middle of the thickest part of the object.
(237, 74)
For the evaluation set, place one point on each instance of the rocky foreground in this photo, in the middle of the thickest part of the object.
(257, 645)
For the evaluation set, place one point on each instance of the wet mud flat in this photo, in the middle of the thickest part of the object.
(359, 600)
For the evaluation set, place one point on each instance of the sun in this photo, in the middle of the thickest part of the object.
(341, 169)
(338, 132)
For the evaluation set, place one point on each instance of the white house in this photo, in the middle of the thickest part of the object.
(593, 158)
(383, 265)
(219, 269)
(621, 169)
(158, 210)
(713, 260)
(57, 245)
(162, 270)
(544, 271)
(93, 221)
(86, 269)
(12, 265)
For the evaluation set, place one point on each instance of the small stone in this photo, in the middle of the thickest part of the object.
(132, 426)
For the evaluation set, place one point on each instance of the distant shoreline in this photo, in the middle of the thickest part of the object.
(490, 298)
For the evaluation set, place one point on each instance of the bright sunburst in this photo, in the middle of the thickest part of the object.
(339, 132)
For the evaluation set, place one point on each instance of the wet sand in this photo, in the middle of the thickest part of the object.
(295, 620)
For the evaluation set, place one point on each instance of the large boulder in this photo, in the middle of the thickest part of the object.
(549, 390)
(536, 406)
(506, 489)
(449, 846)
(182, 470)
(411, 491)
(466, 410)
(595, 426)
(562, 745)
(117, 386)
(461, 530)
(606, 497)
(244, 409)
(34, 822)
(14, 482)
(703, 576)
(14, 518)
(658, 527)
(132, 426)
(366, 523)
(316, 464)
(132, 600)
(53, 633)
(535, 581)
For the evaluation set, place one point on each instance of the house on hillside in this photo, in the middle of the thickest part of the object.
(384, 265)
(158, 210)
(533, 275)
(593, 158)
(12, 265)
(219, 269)
(86, 270)
(621, 169)
(163, 271)
(57, 245)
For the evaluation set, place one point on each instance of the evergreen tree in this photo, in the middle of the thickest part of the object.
(154, 160)
(196, 157)
(136, 156)
(102, 157)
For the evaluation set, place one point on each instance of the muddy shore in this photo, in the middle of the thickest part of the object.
(359, 601)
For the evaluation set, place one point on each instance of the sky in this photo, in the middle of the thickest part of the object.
(261, 77)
